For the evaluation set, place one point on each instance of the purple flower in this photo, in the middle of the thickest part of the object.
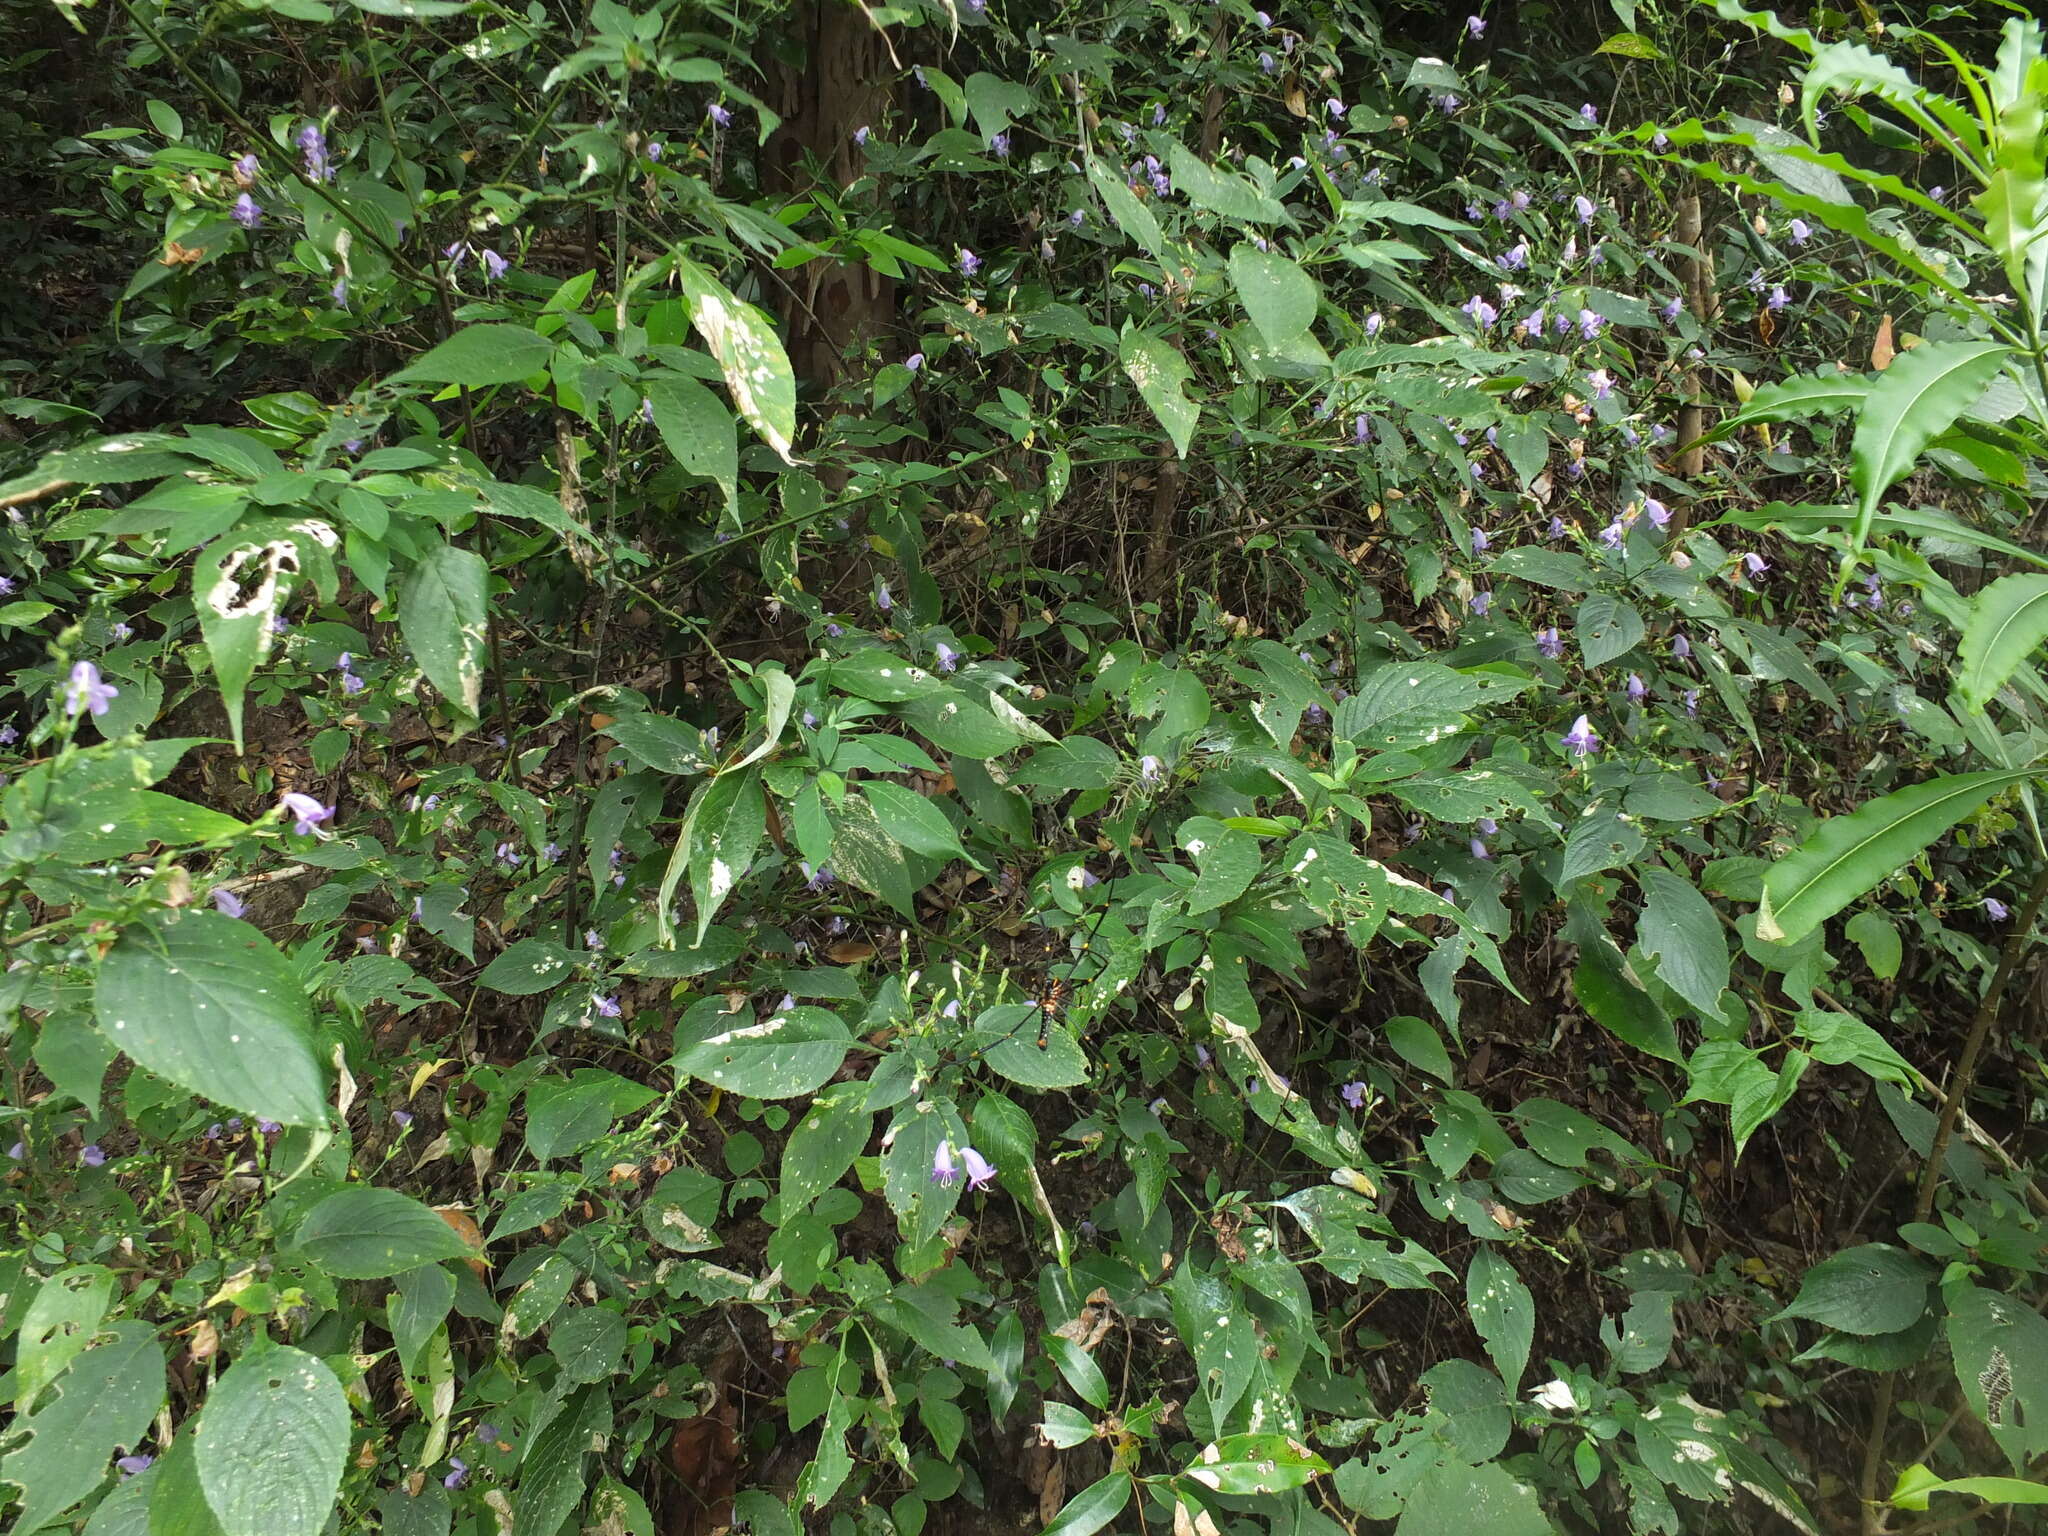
(1335, 107)
(1590, 322)
(1481, 602)
(1475, 28)
(1602, 382)
(819, 879)
(719, 114)
(458, 1473)
(495, 266)
(1373, 322)
(86, 691)
(1150, 769)
(1755, 564)
(1612, 534)
(488, 1433)
(1549, 642)
(883, 600)
(1580, 740)
(1996, 910)
(1447, 103)
(914, 362)
(1801, 232)
(1264, 20)
(228, 904)
(948, 657)
(1158, 114)
(654, 151)
(608, 1007)
(1361, 430)
(123, 631)
(1589, 114)
(245, 169)
(969, 262)
(130, 1466)
(268, 1127)
(1487, 826)
(1515, 257)
(1655, 510)
(861, 136)
(944, 1169)
(1480, 541)
(1638, 690)
(1479, 848)
(1555, 529)
(1000, 144)
(1353, 1093)
(1531, 325)
(20, 1149)
(351, 684)
(8, 735)
(980, 1171)
(306, 812)
(1483, 314)
(1585, 208)
(92, 1156)
(1692, 702)
(402, 1118)
(314, 146)
(1670, 311)
(246, 212)
(1681, 648)
(1268, 63)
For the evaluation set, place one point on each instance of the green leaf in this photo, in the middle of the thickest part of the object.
(1625, 1010)
(1826, 393)
(1912, 1492)
(1218, 190)
(564, 1117)
(1093, 1507)
(2000, 1349)
(1455, 1500)
(57, 1326)
(1910, 404)
(553, 1472)
(1130, 215)
(363, 1233)
(270, 1444)
(102, 1403)
(1416, 1042)
(1226, 861)
(1503, 1311)
(528, 967)
(1680, 928)
(480, 355)
(913, 820)
(1159, 371)
(867, 857)
(749, 353)
(444, 614)
(1630, 45)
(1240, 1465)
(1868, 1290)
(1278, 296)
(793, 1052)
(1849, 855)
(1603, 838)
(823, 1146)
(1016, 1053)
(1878, 937)
(2008, 621)
(238, 586)
(1606, 627)
(682, 1211)
(698, 429)
(209, 1003)
(588, 1344)
(723, 834)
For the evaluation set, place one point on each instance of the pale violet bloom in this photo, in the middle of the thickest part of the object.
(969, 262)
(1373, 322)
(608, 1007)
(1589, 114)
(247, 212)
(1353, 1094)
(1681, 648)
(1549, 642)
(1480, 541)
(719, 114)
(1671, 310)
(1150, 769)
(860, 135)
(1479, 848)
(1638, 690)
(85, 690)
(980, 1171)
(1483, 314)
(1475, 27)
(883, 600)
(948, 658)
(914, 362)
(1656, 511)
(306, 813)
(1585, 208)
(1590, 323)
(495, 266)
(1602, 382)
(1580, 740)
(944, 1169)
(1996, 910)
(228, 904)
(1481, 603)
(1801, 232)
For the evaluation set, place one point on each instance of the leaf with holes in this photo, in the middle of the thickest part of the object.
(1159, 371)
(749, 353)
(444, 614)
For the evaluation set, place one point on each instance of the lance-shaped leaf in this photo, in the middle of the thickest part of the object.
(1909, 405)
(749, 354)
(1849, 855)
(1159, 371)
(2008, 620)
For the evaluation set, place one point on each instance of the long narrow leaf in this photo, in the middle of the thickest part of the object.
(2008, 619)
(1848, 855)
(1911, 404)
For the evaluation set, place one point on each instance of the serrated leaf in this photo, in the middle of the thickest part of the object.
(209, 1003)
(444, 614)
(696, 427)
(363, 1233)
(1503, 1312)
(103, 1402)
(1606, 627)
(481, 355)
(271, 1442)
(1679, 927)
(792, 1052)
(1868, 1290)
(1277, 295)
